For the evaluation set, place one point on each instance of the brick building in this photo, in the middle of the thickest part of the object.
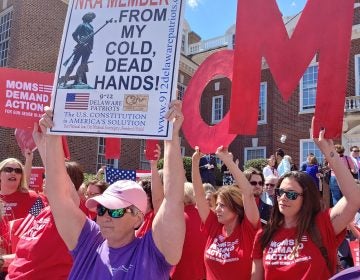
(30, 34)
(277, 118)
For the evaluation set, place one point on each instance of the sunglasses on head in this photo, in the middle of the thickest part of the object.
(292, 195)
(254, 183)
(9, 169)
(113, 213)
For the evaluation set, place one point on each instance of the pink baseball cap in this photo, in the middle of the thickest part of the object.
(120, 194)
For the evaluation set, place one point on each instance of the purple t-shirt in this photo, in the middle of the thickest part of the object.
(93, 259)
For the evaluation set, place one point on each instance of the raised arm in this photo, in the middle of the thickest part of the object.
(157, 188)
(28, 165)
(169, 224)
(344, 211)
(69, 219)
(250, 207)
(201, 203)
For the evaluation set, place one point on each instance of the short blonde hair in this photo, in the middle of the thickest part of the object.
(189, 196)
(23, 187)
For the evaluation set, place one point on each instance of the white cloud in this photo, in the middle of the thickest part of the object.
(193, 3)
(293, 3)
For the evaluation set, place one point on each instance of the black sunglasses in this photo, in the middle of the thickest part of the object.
(292, 195)
(254, 183)
(270, 185)
(9, 169)
(113, 213)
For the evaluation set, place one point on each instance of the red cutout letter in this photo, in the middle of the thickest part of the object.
(196, 131)
(324, 27)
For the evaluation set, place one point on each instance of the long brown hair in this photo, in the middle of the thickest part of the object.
(232, 198)
(306, 216)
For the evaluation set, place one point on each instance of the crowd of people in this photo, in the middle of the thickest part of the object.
(259, 224)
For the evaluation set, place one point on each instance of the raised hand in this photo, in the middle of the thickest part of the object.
(197, 154)
(175, 116)
(325, 145)
(223, 153)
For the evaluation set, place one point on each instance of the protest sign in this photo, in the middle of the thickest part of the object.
(117, 68)
(24, 139)
(36, 179)
(23, 96)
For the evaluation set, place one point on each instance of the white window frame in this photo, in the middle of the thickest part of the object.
(303, 154)
(253, 148)
(100, 159)
(301, 96)
(214, 98)
(144, 163)
(217, 86)
(357, 74)
(5, 39)
(264, 120)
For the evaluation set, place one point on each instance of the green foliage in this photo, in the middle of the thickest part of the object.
(258, 163)
(89, 177)
(187, 161)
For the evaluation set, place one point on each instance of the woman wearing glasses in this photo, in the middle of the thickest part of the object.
(16, 197)
(300, 241)
(231, 229)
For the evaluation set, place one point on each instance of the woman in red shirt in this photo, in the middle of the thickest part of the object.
(300, 241)
(17, 199)
(231, 229)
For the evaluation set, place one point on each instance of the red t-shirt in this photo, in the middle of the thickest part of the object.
(191, 265)
(147, 224)
(308, 263)
(228, 257)
(16, 206)
(40, 252)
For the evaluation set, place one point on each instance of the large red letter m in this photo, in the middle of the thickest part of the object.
(324, 28)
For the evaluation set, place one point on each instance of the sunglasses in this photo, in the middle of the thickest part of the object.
(292, 195)
(355, 151)
(270, 185)
(9, 169)
(113, 213)
(254, 183)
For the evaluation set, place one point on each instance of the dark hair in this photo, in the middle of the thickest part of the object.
(75, 172)
(306, 216)
(253, 171)
(146, 185)
(313, 160)
(339, 149)
(354, 147)
(280, 152)
(232, 198)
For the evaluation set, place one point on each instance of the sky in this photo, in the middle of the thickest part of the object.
(211, 18)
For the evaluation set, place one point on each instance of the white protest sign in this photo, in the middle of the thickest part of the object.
(117, 68)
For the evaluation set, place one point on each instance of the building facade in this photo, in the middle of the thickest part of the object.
(30, 35)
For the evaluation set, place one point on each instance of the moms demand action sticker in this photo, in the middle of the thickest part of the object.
(23, 96)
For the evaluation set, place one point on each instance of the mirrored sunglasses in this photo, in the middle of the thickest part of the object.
(292, 195)
(9, 169)
(113, 213)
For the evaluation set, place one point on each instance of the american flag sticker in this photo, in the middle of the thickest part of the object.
(77, 101)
